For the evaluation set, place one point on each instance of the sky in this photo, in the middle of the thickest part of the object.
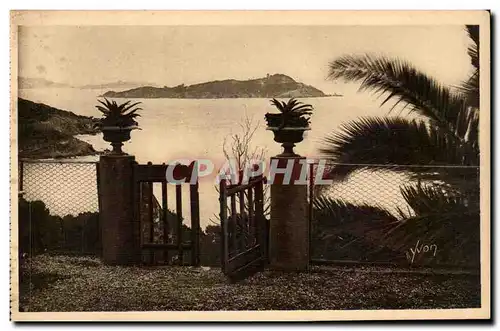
(173, 55)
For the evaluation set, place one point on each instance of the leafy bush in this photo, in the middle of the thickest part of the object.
(82, 233)
(41, 232)
(38, 230)
(342, 230)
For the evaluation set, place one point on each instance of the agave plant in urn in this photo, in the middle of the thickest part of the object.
(118, 121)
(289, 124)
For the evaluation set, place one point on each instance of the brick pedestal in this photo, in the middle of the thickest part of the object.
(120, 233)
(289, 225)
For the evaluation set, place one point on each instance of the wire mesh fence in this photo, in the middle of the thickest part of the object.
(352, 217)
(58, 207)
(394, 213)
(377, 188)
(66, 188)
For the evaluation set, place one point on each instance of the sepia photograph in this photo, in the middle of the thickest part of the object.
(250, 166)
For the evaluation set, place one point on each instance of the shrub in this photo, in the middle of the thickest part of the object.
(41, 232)
(38, 230)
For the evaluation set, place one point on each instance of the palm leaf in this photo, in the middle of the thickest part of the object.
(291, 104)
(473, 50)
(470, 87)
(103, 109)
(132, 112)
(125, 107)
(402, 82)
(302, 107)
(105, 103)
(277, 104)
(357, 219)
(424, 199)
(284, 107)
(448, 221)
(365, 224)
(395, 144)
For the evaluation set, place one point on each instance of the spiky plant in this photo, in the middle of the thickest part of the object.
(122, 115)
(444, 144)
(293, 114)
(352, 227)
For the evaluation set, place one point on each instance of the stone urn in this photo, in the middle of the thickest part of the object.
(288, 137)
(117, 135)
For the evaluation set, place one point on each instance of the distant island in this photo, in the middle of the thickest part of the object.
(34, 83)
(118, 84)
(47, 132)
(272, 86)
(31, 83)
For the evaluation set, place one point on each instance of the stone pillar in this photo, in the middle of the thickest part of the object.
(289, 225)
(120, 232)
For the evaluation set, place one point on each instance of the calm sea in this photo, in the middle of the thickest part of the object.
(191, 129)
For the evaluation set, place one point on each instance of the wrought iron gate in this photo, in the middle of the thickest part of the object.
(244, 228)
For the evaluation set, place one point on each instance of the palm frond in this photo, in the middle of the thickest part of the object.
(126, 108)
(357, 219)
(342, 211)
(132, 112)
(102, 109)
(291, 103)
(401, 81)
(394, 144)
(302, 107)
(425, 199)
(470, 87)
(473, 50)
(364, 224)
(284, 106)
(450, 222)
(292, 106)
(105, 103)
(123, 105)
(277, 104)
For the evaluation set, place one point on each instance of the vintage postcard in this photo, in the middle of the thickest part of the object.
(250, 166)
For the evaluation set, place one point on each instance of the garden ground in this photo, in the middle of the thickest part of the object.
(64, 283)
